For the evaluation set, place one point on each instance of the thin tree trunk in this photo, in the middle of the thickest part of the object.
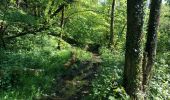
(17, 3)
(151, 43)
(112, 24)
(26, 4)
(3, 43)
(2, 30)
(133, 54)
(61, 26)
(120, 35)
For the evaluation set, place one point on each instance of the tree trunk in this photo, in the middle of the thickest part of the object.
(2, 30)
(17, 3)
(112, 24)
(26, 4)
(61, 26)
(151, 43)
(133, 54)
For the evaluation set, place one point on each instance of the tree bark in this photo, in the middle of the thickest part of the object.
(151, 43)
(112, 24)
(133, 53)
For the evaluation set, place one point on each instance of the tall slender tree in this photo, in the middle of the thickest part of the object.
(2, 31)
(112, 24)
(151, 43)
(61, 26)
(133, 54)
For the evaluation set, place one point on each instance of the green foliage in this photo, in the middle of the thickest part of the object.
(21, 65)
(82, 55)
(19, 16)
(31, 62)
(30, 70)
(159, 86)
(164, 36)
(107, 84)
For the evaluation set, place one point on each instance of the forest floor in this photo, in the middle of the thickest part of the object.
(76, 82)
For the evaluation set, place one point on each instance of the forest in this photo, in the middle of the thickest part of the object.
(84, 49)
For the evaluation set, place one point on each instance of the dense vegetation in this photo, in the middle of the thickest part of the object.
(84, 49)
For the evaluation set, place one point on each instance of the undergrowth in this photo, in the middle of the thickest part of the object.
(30, 72)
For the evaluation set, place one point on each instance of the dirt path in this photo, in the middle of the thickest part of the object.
(75, 84)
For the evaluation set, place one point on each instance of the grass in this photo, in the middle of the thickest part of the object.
(29, 84)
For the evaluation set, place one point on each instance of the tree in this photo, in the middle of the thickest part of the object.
(2, 31)
(112, 24)
(61, 26)
(151, 43)
(133, 53)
